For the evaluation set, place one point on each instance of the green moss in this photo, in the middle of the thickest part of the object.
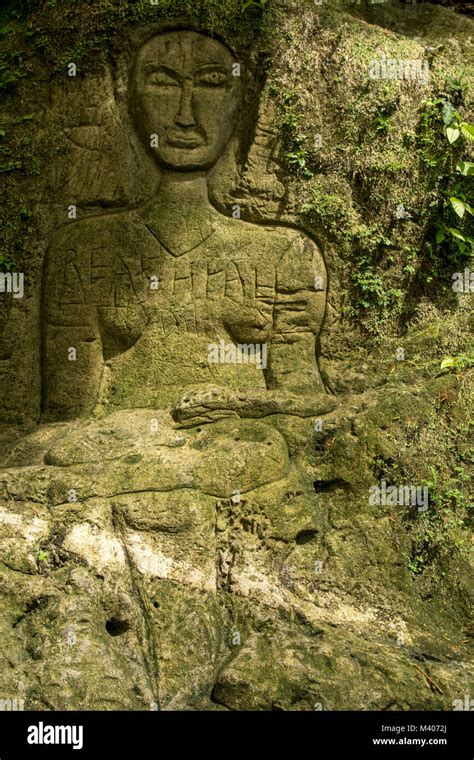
(433, 451)
(294, 136)
(441, 536)
(19, 160)
(369, 191)
(60, 32)
(330, 212)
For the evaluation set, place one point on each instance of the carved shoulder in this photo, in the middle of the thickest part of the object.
(301, 265)
(80, 258)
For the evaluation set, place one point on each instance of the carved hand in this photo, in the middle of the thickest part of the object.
(202, 404)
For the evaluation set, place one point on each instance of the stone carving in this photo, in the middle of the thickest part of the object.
(169, 526)
(189, 522)
(179, 377)
(141, 294)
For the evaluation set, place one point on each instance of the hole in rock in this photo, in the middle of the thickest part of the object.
(323, 486)
(115, 626)
(305, 535)
(133, 458)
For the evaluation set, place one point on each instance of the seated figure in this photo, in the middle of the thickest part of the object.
(178, 358)
(173, 536)
(142, 297)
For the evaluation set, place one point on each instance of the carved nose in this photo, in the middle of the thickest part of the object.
(185, 117)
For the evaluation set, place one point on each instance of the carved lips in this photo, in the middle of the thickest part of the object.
(184, 141)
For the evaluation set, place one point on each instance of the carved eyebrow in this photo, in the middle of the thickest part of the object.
(211, 67)
(151, 68)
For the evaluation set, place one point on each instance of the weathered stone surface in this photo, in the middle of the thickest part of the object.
(181, 532)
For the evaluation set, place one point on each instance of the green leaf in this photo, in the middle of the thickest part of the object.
(455, 233)
(10, 166)
(460, 362)
(467, 130)
(466, 168)
(439, 237)
(448, 112)
(449, 362)
(452, 134)
(458, 206)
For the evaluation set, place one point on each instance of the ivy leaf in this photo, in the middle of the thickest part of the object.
(458, 206)
(439, 237)
(455, 233)
(467, 130)
(466, 168)
(449, 362)
(452, 134)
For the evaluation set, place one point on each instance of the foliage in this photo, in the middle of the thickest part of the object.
(441, 531)
(293, 134)
(451, 229)
(458, 363)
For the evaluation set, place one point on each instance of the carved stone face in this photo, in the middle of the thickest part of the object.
(185, 93)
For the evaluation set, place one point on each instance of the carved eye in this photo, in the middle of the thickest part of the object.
(161, 79)
(211, 79)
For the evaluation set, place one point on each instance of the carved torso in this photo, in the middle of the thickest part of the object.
(158, 300)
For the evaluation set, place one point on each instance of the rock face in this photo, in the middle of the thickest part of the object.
(209, 509)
